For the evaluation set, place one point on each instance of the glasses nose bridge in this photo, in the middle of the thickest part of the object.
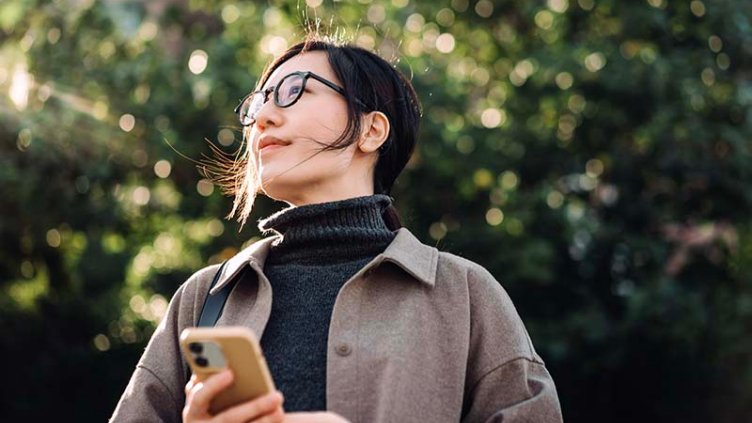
(261, 114)
(263, 95)
(268, 93)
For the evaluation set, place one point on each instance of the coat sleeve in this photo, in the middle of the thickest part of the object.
(155, 391)
(506, 379)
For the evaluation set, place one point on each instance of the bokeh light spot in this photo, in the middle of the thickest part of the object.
(100, 110)
(226, 137)
(723, 61)
(141, 196)
(509, 180)
(19, 88)
(445, 17)
(437, 230)
(484, 8)
(564, 80)
(162, 168)
(493, 117)
(514, 227)
(274, 45)
(24, 139)
(205, 187)
(445, 43)
(198, 62)
(415, 22)
(54, 238)
(558, 6)
(698, 8)
(595, 61)
(594, 168)
(101, 342)
(231, 13)
(53, 35)
(544, 19)
(483, 178)
(215, 227)
(148, 31)
(715, 43)
(707, 76)
(127, 122)
(554, 199)
(494, 216)
(376, 14)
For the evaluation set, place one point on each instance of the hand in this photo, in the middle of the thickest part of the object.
(318, 417)
(198, 396)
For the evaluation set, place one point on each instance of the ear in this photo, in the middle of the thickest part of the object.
(375, 130)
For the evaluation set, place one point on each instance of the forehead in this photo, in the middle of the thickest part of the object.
(314, 61)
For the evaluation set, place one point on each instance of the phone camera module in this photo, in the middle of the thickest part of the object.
(196, 347)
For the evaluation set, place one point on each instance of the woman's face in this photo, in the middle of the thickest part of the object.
(293, 172)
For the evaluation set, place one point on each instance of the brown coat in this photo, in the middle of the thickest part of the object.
(416, 335)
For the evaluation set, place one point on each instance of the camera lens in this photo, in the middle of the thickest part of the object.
(195, 347)
(202, 362)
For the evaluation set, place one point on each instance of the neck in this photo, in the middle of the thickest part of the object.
(353, 184)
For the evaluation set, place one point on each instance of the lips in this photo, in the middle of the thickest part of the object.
(271, 143)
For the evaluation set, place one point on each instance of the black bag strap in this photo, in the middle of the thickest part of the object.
(214, 304)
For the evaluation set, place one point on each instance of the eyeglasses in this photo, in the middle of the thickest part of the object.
(286, 93)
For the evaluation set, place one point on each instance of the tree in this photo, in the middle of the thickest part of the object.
(593, 155)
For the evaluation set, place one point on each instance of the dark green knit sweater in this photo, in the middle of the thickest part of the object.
(322, 246)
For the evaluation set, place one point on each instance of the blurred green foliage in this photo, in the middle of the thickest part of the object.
(593, 154)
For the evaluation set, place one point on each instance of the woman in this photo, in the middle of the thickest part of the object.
(367, 322)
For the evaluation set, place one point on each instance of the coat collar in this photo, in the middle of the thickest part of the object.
(405, 250)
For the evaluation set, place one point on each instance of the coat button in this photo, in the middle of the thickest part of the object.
(343, 349)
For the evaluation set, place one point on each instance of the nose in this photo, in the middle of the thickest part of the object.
(268, 115)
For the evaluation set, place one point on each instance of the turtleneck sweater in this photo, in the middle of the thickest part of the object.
(320, 247)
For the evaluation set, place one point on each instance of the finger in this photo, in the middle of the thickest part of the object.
(191, 383)
(314, 417)
(277, 416)
(203, 392)
(254, 409)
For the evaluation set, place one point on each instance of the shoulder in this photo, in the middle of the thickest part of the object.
(494, 320)
(459, 263)
(200, 281)
(480, 282)
(187, 301)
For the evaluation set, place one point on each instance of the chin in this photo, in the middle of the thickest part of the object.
(272, 189)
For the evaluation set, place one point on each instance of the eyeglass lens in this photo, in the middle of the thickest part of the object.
(286, 93)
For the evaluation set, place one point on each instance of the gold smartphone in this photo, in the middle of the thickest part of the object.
(211, 350)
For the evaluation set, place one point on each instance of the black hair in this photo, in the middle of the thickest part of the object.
(370, 83)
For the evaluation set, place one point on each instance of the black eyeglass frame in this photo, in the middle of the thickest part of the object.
(275, 89)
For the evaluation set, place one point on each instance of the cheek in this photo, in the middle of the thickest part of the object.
(324, 122)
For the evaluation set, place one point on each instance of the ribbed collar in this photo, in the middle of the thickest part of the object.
(329, 232)
(406, 251)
